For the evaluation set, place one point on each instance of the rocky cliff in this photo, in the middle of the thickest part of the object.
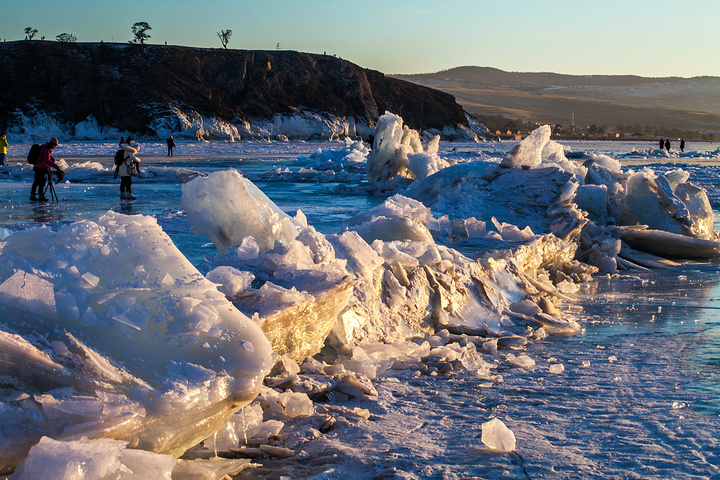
(155, 90)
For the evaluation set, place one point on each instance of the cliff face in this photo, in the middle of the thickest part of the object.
(131, 86)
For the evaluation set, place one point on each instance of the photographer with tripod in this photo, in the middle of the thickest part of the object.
(42, 169)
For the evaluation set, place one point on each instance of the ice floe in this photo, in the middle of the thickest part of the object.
(108, 331)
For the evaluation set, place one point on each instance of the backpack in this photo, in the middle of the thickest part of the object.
(34, 154)
(132, 168)
(119, 157)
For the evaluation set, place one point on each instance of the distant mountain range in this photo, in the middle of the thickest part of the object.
(669, 103)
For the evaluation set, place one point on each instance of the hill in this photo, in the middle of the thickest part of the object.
(154, 90)
(659, 103)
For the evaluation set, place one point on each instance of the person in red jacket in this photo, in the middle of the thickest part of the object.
(42, 168)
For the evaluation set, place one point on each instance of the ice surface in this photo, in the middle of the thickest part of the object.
(495, 269)
(92, 172)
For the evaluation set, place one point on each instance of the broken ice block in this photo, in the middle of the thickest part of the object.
(497, 436)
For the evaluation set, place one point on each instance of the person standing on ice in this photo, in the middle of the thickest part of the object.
(667, 144)
(171, 145)
(662, 144)
(682, 144)
(3, 148)
(128, 168)
(41, 170)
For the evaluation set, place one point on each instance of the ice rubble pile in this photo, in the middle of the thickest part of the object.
(609, 212)
(108, 331)
(33, 125)
(405, 285)
(535, 187)
(387, 279)
(300, 124)
(384, 294)
(189, 124)
(674, 154)
(97, 459)
(352, 157)
(398, 155)
(365, 292)
(346, 165)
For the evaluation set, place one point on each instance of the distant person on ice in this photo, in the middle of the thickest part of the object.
(3, 148)
(682, 144)
(662, 144)
(42, 168)
(667, 144)
(171, 145)
(128, 168)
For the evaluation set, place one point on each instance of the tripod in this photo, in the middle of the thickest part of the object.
(51, 187)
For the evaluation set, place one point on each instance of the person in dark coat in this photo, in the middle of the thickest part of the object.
(128, 168)
(662, 143)
(667, 144)
(42, 168)
(682, 144)
(171, 145)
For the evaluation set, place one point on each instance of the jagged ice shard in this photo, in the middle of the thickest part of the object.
(398, 154)
(114, 334)
(306, 287)
(227, 207)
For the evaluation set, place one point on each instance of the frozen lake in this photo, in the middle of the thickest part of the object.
(640, 393)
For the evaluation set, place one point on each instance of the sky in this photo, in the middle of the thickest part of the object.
(655, 38)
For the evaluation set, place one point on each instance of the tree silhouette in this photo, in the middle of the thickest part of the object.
(139, 30)
(30, 33)
(66, 37)
(224, 36)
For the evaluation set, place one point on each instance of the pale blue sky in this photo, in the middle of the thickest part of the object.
(649, 38)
